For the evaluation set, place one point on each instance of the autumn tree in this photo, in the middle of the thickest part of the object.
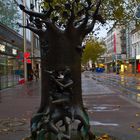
(61, 26)
(93, 50)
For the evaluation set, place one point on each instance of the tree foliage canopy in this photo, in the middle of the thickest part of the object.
(9, 13)
(83, 14)
(92, 51)
(119, 11)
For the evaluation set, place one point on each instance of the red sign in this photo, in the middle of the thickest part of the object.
(114, 41)
(28, 61)
(26, 54)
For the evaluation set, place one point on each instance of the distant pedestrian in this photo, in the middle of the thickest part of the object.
(36, 74)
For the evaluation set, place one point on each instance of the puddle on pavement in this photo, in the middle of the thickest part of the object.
(138, 86)
(104, 107)
(97, 123)
(138, 97)
(135, 97)
(122, 80)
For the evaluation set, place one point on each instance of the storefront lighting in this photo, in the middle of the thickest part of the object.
(26, 54)
(2, 48)
(28, 61)
(14, 51)
(138, 57)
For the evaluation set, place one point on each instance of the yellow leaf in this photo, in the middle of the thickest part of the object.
(137, 114)
(138, 129)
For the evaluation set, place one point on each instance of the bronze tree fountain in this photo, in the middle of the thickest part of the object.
(61, 28)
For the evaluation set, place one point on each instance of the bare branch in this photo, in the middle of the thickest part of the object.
(97, 8)
(72, 16)
(100, 18)
(30, 27)
(90, 27)
(36, 14)
(83, 25)
(51, 26)
(89, 7)
(95, 17)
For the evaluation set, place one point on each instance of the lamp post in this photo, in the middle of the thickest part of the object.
(32, 39)
(24, 42)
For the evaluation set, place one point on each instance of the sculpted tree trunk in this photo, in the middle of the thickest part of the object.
(62, 51)
(61, 29)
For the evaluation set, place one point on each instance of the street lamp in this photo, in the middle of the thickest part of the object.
(24, 42)
(32, 39)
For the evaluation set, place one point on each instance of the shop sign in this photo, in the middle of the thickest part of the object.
(26, 55)
(28, 61)
(2, 48)
(14, 51)
(138, 57)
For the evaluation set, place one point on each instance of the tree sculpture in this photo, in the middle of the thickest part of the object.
(61, 26)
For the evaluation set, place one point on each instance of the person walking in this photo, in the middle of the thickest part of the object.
(36, 74)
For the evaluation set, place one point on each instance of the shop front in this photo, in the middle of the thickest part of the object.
(10, 66)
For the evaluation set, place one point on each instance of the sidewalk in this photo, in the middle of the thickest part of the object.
(108, 112)
(126, 74)
(17, 105)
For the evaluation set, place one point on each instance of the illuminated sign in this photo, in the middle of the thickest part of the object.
(14, 51)
(26, 54)
(26, 57)
(28, 61)
(2, 48)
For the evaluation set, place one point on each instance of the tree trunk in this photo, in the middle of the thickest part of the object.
(60, 51)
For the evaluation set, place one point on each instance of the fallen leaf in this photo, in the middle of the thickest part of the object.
(5, 130)
(138, 129)
(137, 114)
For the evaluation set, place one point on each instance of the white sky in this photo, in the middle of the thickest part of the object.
(102, 32)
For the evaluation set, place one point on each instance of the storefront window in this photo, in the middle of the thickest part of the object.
(3, 72)
(9, 67)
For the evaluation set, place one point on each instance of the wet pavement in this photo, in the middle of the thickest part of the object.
(109, 110)
(128, 86)
(17, 105)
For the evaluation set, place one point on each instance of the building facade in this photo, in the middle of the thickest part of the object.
(12, 52)
(11, 56)
(124, 42)
(136, 48)
(113, 45)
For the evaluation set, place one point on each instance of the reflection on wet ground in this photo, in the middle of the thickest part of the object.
(130, 86)
(104, 108)
(103, 123)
